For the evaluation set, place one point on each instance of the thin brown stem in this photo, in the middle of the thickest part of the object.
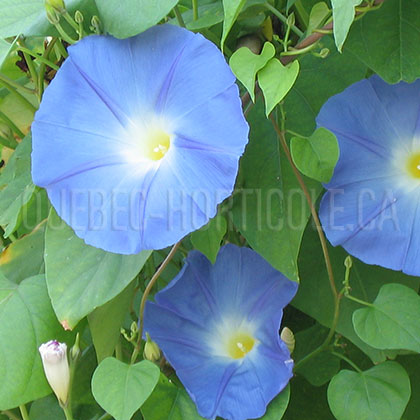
(314, 214)
(146, 293)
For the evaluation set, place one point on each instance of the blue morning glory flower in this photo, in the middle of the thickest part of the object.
(136, 141)
(371, 207)
(218, 326)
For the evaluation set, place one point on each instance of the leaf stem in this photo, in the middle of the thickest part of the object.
(146, 293)
(43, 67)
(24, 412)
(195, 9)
(347, 360)
(10, 414)
(283, 19)
(179, 17)
(18, 95)
(360, 301)
(11, 124)
(40, 58)
(12, 83)
(31, 67)
(8, 142)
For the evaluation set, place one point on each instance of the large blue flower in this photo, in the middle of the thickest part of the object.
(371, 207)
(219, 328)
(138, 140)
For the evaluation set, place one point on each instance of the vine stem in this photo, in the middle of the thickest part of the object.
(146, 293)
(286, 59)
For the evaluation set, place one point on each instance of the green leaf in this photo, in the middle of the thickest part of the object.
(269, 209)
(278, 406)
(5, 49)
(394, 55)
(323, 366)
(16, 186)
(365, 281)
(131, 17)
(80, 277)
(173, 403)
(276, 80)
(26, 321)
(307, 402)
(105, 323)
(245, 65)
(29, 17)
(25, 257)
(231, 10)
(319, 13)
(380, 393)
(317, 155)
(318, 80)
(207, 239)
(393, 320)
(46, 409)
(81, 385)
(208, 15)
(121, 389)
(411, 364)
(343, 16)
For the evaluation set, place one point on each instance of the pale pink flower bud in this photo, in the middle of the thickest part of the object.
(56, 368)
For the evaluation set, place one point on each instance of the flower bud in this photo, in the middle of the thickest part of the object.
(75, 350)
(288, 338)
(56, 368)
(95, 24)
(151, 350)
(78, 16)
(52, 15)
(58, 5)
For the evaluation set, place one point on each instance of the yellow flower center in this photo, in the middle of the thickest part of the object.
(156, 144)
(239, 345)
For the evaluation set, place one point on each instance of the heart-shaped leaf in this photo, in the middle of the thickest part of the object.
(245, 65)
(343, 15)
(80, 277)
(131, 17)
(208, 238)
(275, 81)
(121, 389)
(26, 321)
(392, 322)
(317, 155)
(173, 402)
(380, 393)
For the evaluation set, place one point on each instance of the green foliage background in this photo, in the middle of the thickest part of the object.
(357, 352)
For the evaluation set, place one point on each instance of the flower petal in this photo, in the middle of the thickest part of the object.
(192, 81)
(103, 205)
(378, 117)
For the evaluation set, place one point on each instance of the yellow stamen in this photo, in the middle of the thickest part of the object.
(413, 165)
(156, 144)
(239, 345)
